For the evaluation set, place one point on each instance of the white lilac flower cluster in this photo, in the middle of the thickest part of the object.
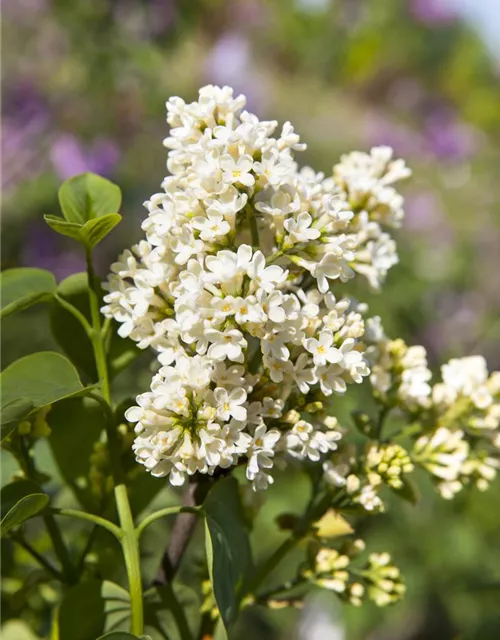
(232, 287)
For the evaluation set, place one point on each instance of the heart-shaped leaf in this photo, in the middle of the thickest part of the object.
(90, 233)
(228, 547)
(24, 287)
(59, 225)
(26, 508)
(88, 196)
(41, 378)
(97, 229)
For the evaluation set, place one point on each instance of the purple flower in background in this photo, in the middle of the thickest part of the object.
(449, 138)
(69, 157)
(25, 122)
(380, 131)
(42, 248)
(424, 213)
(230, 63)
(433, 12)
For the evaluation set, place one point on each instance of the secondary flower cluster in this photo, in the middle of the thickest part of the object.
(233, 288)
(379, 580)
(452, 427)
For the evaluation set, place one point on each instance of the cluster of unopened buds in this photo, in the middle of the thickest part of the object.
(378, 579)
(241, 287)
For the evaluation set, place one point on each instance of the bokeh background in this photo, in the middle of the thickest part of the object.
(84, 88)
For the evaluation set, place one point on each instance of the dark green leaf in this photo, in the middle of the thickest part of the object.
(26, 508)
(41, 378)
(68, 332)
(409, 491)
(81, 614)
(161, 612)
(13, 413)
(59, 225)
(228, 547)
(76, 425)
(24, 287)
(88, 196)
(15, 491)
(95, 230)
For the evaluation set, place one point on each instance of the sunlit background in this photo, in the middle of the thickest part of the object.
(84, 88)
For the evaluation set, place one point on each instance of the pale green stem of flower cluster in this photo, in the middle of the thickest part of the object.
(128, 537)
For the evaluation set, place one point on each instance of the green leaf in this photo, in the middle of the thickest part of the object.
(59, 225)
(88, 196)
(409, 491)
(97, 229)
(161, 612)
(24, 287)
(228, 547)
(26, 508)
(41, 378)
(17, 630)
(81, 614)
(13, 413)
(76, 424)
(90, 233)
(15, 491)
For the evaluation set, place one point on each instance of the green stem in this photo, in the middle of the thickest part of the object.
(130, 546)
(128, 536)
(59, 547)
(90, 517)
(96, 333)
(179, 614)
(384, 412)
(254, 229)
(37, 556)
(285, 586)
(312, 514)
(162, 513)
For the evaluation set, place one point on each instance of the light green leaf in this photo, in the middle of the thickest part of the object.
(90, 233)
(13, 413)
(20, 500)
(41, 378)
(88, 196)
(24, 287)
(97, 229)
(17, 630)
(228, 547)
(59, 225)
